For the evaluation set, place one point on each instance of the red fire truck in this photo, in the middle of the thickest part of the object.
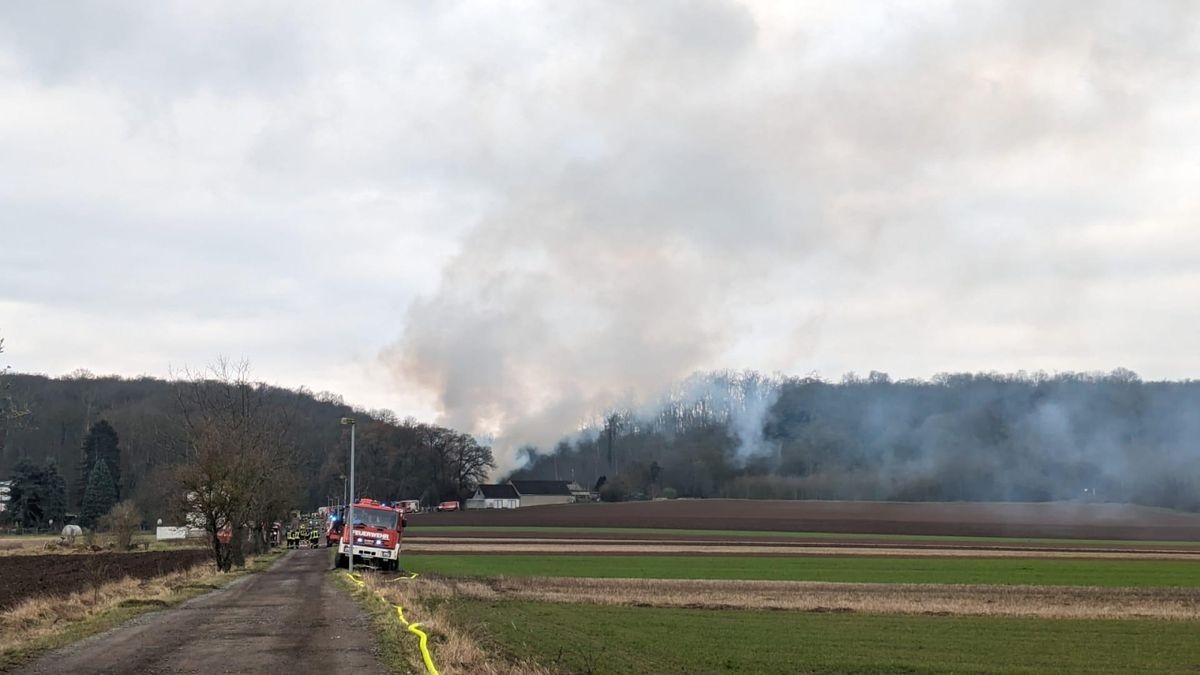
(333, 529)
(374, 538)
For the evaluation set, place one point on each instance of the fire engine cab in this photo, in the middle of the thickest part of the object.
(372, 535)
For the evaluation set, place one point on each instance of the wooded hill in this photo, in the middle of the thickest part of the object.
(397, 459)
(956, 437)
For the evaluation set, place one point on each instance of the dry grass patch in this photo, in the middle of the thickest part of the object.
(27, 545)
(39, 617)
(44, 544)
(454, 650)
(1051, 602)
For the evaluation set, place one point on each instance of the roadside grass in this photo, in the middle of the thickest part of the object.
(391, 637)
(37, 625)
(454, 650)
(826, 536)
(606, 639)
(966, 570)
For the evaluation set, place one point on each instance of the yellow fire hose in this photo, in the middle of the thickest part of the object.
(412, 627)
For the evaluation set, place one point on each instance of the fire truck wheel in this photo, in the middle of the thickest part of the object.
(342, 562)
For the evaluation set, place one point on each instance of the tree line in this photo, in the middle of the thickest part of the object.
(232, 454)
(972, 437)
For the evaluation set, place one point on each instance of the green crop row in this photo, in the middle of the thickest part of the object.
(1032, 571)
(611, 639)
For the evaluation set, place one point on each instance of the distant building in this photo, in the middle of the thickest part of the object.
(5, 494)
(580, 493)
(494, 497)
(539, 492)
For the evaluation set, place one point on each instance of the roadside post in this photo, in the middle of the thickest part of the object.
(349, 524)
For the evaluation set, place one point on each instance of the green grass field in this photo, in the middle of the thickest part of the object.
(818, 536)
(603, 639)
(1048, 572)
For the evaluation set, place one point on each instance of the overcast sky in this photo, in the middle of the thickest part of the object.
(503, 215)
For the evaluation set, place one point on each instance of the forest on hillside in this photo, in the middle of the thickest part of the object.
(973, 437)
(56, 430)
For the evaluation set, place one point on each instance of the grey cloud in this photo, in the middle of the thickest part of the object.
(163, 50)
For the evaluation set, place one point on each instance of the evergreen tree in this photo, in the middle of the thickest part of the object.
(103, 443)
(53, 493)
(25, 495)
(100, 496)
(38, 494)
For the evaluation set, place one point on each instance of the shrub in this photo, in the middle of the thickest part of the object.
(612, 492)
(669, 493)
(122, 521)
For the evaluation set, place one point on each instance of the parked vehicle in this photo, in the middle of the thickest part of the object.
(448, 506)
(333, 530)
(374, 536)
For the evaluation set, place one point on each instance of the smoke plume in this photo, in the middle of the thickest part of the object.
(685, 187)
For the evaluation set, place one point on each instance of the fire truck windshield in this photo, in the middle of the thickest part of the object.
(374, 517)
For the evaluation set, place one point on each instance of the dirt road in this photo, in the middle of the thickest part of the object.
(288, 619)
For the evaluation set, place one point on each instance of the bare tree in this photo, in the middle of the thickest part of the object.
(10, 411)
(457, 460)
(471, 463)
(238, 470)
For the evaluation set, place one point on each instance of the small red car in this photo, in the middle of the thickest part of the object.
(447, 506)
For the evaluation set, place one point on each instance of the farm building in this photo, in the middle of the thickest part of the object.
(581, 493)
(538, 492)
(494, 497)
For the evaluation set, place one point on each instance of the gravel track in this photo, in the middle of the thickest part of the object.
(288, 619)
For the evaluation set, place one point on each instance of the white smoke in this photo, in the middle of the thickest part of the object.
(683, 187)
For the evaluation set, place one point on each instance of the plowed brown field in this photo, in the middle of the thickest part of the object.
(1042, 520)
(32, 575)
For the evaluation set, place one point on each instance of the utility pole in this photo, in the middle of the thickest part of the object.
(613, 463)
(349, 526)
